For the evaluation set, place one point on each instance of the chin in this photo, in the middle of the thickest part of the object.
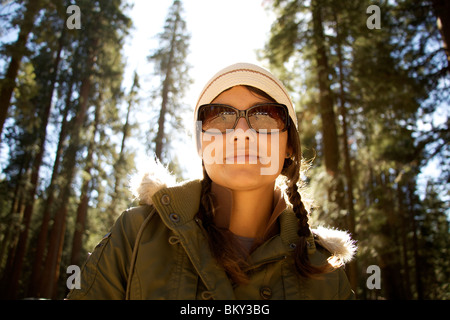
(241, 176)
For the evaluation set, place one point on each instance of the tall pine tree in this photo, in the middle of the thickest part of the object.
(170, 66)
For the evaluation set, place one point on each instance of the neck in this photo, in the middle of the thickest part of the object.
(250, 211)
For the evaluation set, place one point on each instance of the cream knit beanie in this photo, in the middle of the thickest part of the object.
(246, 74)
(243, 74)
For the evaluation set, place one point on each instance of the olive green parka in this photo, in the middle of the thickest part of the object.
(159, 250)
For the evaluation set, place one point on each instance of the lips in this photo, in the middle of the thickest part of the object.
(241, 157)
(242, 160)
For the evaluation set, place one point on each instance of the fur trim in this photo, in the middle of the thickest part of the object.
(337, 242)
(156, 177)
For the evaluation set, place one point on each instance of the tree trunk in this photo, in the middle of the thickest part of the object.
(390, 255)
(330, 140)
(119, 165)
(80, 224)
(51, 264)
(18, 51)
(15, 205)
(165, 94)
(329, 130)
(415, 243)
(36, 274)
(32, 187)
(403, 220)
(11, 239)
(352, 267)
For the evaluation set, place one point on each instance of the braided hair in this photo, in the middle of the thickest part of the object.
(291, 171)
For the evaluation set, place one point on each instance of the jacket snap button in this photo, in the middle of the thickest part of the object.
(174, 217)
(165, 200)
(266, 293)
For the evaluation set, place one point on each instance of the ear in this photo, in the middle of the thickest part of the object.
(289, 151)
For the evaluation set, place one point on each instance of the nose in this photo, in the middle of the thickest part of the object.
(241, 132)
(242, 124)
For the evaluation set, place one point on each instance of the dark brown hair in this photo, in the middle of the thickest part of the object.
(223, 243)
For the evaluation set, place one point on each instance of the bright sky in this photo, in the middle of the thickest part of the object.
(222, 33)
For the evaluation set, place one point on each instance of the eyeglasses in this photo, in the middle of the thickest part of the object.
(264, 117)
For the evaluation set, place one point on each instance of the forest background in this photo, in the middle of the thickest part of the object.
(80, 113)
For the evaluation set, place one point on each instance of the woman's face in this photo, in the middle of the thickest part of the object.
(243, 159)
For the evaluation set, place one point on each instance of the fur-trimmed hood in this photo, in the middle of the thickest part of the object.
(339, 243)
(157, 177)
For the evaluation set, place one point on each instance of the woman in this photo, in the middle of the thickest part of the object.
(242, 231)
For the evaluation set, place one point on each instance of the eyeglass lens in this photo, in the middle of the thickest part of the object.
(260, 117)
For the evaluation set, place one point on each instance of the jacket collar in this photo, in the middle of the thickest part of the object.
(178, 204)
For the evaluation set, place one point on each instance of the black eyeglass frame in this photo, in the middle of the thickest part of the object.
(244, 114)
